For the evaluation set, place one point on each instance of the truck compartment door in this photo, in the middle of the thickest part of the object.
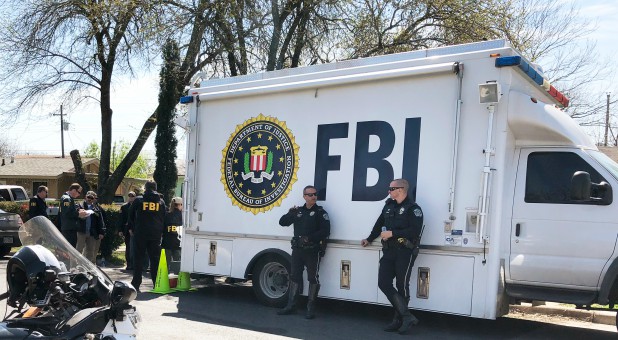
(213, 256)
(434, 290)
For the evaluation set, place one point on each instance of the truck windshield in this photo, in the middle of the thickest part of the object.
(606, 162)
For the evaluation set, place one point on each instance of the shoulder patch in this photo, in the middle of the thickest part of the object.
(325, 216)
(418, 212)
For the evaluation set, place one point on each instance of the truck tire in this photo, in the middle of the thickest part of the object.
(270, 280)
(4, 250)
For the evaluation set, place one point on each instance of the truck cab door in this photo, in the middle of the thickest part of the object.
(555, 240)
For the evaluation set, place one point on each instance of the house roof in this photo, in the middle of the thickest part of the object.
(39, 166)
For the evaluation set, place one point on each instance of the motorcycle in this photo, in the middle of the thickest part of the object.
(56, 293)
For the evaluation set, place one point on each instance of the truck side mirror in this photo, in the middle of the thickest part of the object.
(580, 186)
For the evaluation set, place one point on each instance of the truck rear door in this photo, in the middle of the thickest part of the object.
(555, 240)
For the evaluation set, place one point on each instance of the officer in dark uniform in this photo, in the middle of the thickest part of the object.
(146, 221)
(38, 207)
(399, 226)
(70, 214)
(311, 228)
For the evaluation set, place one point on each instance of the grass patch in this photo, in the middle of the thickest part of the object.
(116, 260)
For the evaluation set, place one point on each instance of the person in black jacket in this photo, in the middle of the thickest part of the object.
(311, 228)
(123, 230)
(399, 226)
(38, 207)
(70, 213)
(92, 228)
(146, 222)
(171, 233)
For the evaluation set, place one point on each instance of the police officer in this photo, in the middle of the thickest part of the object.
(70, 214)
(399, 226)
(38, 207)
(311, 228)
(146, 220)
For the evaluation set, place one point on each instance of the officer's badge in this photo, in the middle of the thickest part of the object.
(418, 212)
(259, 164)
(401, 210)
(312, 213)
(299, 215)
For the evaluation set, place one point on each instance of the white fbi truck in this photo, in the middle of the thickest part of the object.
(517, 200)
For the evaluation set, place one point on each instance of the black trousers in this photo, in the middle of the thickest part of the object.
(309, 258)
(127, 252)
(396, 263)
(70, 236)
(143, 247)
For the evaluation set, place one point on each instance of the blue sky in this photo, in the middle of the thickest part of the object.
(134, 100)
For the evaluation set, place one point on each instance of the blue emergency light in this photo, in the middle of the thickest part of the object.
(186, 99)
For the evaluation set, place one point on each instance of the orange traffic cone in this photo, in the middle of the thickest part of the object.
(184, 283)
(162, 285)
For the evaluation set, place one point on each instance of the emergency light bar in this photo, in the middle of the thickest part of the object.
(536, 77)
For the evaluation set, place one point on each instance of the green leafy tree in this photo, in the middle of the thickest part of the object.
(170, 88)
(140, 168)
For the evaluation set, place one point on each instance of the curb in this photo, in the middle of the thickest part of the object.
(594, 316)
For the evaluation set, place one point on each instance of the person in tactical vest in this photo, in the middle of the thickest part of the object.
(38, 207)
(399, 226)
(311, 228)
(146, 222)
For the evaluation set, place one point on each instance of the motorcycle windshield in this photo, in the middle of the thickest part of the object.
(41, 231)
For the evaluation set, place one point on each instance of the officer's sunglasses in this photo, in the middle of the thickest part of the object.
(311, 194)
(394, 188)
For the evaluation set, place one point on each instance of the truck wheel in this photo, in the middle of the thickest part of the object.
(270, 280)
(4, 250)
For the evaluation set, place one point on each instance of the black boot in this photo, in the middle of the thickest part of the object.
(407, 319)
(291, 306)
(395, 324)
(314, 288)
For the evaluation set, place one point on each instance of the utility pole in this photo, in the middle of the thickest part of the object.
(62, 129)
(607, 111)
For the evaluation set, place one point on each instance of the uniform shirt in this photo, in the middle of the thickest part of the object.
(313, 223)
(404, 219)
(173, 223)
(38, 207)
(69, 213)
(147, 216)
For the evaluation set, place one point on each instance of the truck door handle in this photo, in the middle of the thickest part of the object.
(517, 229)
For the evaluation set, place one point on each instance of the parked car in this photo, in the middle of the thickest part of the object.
(13, 193)
(9, 227)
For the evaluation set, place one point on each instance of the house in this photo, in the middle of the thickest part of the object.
(32, 171)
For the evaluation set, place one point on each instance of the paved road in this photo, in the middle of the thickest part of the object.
(223, 311)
